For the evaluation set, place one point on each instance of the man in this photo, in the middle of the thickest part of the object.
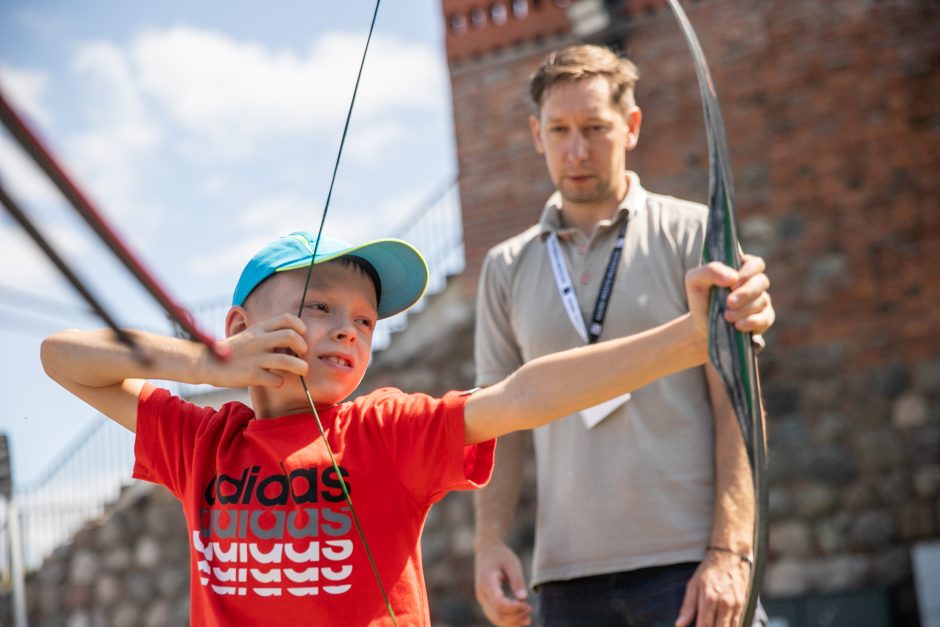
(645, 505)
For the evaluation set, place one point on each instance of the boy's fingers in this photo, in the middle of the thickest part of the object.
(757, 323)
(286, 363)
(750, 289)
(755, 306)
(268, 379)
(713, 274)
(284, 321)
(287, 339)
(751, 265)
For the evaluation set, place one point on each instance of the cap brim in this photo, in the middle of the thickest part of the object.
(402, 271)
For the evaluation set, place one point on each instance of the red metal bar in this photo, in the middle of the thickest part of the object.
(44, 159)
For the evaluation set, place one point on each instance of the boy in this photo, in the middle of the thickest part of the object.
(271, 533)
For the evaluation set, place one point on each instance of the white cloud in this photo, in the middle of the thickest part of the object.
(255, 225)
(260, 222)
(34, 272)
(112, 155)
(368, 145)
(214, 184)
(26, 89)
(231, 94)
(220, 99)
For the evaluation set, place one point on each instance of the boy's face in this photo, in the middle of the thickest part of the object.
(340, 312)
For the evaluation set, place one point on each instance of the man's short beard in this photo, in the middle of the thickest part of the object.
(601, 192)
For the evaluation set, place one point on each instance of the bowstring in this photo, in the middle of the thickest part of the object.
(303, 298)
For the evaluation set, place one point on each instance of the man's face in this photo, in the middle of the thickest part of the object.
(340, 314)
(585, 138)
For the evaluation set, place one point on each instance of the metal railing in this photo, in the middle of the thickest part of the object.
(97, 465)
(75, 488)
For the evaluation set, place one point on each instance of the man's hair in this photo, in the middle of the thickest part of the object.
(576, 63)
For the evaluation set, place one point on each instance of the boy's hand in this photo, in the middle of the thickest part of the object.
(749, 305)
(263, 354)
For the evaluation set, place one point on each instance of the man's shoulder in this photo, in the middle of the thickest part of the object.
(509, 249)
(676, 207)
(676, 215)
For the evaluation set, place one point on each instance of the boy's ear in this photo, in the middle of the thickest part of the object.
(236, 321)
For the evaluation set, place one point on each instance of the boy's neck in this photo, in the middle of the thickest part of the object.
(266, 405)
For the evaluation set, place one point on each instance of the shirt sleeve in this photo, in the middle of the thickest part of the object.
(692, 238)
(424, 437)
(496, 352)
(167, 427)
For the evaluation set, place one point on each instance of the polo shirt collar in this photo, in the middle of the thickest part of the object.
(629, 208)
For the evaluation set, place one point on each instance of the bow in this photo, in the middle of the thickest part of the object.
(730, 350)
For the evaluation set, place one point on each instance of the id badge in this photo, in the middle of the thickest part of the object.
(593, 415)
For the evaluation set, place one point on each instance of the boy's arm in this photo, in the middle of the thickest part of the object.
(97, 368)
(556, 385)
(562, 383)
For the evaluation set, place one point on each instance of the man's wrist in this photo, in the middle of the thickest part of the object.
(743, 556)
(485, 541)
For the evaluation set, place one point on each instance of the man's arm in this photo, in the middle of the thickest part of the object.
(97, 368)
(733, 524)
(716, 592)
(496, 563)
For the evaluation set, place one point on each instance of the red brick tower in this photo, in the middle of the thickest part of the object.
(492, 48)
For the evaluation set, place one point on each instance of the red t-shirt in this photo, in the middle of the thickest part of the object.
(265, 551)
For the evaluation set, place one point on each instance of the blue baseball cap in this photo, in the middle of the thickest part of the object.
(401, 270)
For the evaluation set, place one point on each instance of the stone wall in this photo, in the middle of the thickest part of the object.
(128, 569)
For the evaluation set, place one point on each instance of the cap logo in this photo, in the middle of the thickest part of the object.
(300, 237)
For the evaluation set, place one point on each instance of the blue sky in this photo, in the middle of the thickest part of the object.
(201, 130)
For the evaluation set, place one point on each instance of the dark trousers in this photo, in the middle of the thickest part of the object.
(647, 597)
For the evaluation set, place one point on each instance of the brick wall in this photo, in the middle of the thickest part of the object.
(833, 120)
(503, 181)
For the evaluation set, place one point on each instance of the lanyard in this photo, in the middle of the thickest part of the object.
(566, 290)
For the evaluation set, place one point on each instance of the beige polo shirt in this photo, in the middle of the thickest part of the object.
(636, 490)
